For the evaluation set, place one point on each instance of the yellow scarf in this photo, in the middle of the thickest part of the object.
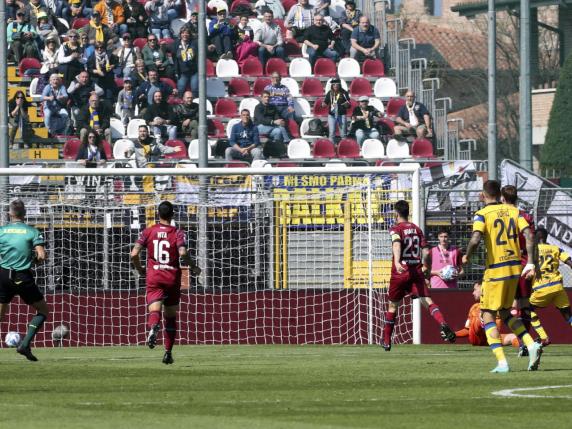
(98, 31)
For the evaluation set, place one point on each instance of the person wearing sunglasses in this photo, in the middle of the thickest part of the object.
(71, 57)
(19, 120)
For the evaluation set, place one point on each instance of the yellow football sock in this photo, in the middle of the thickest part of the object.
(535, 322)
(518, 328)
(495, 343)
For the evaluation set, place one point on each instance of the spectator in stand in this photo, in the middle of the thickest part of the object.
(446, 263)
(136, 18)
(100, 66)
(323, 7)
(186, 66)
(80, 90)
(244, 45)
(139, 74)
(338, 101)
(155, 58)
(244, 143)
(299, 18)
(126, 56)
(159, 115)
(50, 62)
(126, 101)
(55, 98)
(348, 22)
(187, 116)
(22, 37)
(220, 34)
(281, 98)
(45, 28)
(365, 40)
(148, 149)
(19, 120)
(98, 32)
(11, 9)
(320, 41)
(161, 13)
(112, 15)
(363, 120)
(268, 120)
(274, 6)
(94, 116)
(71, 57)
(147, 89)
(87, 46)
(193, 26)
(76, 9)
(413, 118)
(91, 153)
(269, 39)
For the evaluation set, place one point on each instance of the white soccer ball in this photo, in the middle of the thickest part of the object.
(60, 332)
(448, 273)
(12, 339)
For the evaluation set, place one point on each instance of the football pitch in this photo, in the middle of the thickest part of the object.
(446, 386)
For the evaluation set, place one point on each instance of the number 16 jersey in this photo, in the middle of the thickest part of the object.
(162, 243)
(412, 241)
(501, 224)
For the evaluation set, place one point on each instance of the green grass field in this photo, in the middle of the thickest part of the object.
(282, 387)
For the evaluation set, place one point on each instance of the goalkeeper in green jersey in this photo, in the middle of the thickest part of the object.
(20, 246)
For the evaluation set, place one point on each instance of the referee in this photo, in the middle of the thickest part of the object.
(20, 246)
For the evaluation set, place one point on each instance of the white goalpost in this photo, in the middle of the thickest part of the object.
(289, 255)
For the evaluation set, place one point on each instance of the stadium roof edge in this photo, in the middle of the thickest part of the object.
(473, 8)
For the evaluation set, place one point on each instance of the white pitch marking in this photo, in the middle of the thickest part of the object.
(513, 393)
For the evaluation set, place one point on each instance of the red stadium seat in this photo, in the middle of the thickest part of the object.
(393, 106)
(278, 65)
(107, 148)
(325, 67)
(422, 148)
(319, 109)
(292, 49)
(360, 86)
(373, 68)
(173, 100)
(27, 64)
(353, 105)
(312, 87)
(169, 82)
(324, 148)
(252, 67)
(139, 42)
(293, 129)
(166, 41)
(210, 69)
(226, 108)
(387, 125)
(215, 129)
(280, 23)
(79, 23)
(182, 154)
(239, 87)
(348, 148)
(259, 85)
(236, 3)
(237, 164)
(71, 148)
(288, 4)
(119, 82)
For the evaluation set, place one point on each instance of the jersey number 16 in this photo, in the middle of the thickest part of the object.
(161, 251)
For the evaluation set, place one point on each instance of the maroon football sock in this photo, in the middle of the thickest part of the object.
(170, 332)
(153, 318)
(436, 314)
(388, 328)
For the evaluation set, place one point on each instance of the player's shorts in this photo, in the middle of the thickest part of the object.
(169, 293)
(498, 295)
(21, 283)
(558, 297)
(411, 282)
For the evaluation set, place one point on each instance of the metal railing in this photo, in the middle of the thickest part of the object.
(427, 94)
(465, 148)
(442, 106)
(418, 65)
(403, 66)
(394, 27)
(454, 127)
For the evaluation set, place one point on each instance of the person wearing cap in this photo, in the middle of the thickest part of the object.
(71, 57)
(126, 102)
(45, 28)
(338, 101)
(363, 117)
(161, 13)
(126, 56)
(21, 37)
(136, 18)
(50, 62)
(97, 31)
(220, 35)
(112, 15)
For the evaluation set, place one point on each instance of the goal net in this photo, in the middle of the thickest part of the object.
(289, 255)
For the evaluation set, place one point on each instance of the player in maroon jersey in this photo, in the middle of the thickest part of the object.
(165, 244)
(509, 196)
(408, 270)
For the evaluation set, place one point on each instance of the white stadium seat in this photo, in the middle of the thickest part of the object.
(397, 149)
(348, 67)
(230, 124)
(249, 104)
(120, 147)
(300, 67)
(193, 151)
(227, 68)
(302, 107)
(292, 85)
(385, 88)
(372, 149)
(209, 105)
(133, 127)
(377, 103)
(117, 128)
(299, 149)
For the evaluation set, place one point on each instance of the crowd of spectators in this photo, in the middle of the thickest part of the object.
(95, 72)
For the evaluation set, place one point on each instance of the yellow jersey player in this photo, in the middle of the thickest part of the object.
(500, 224)
(548, 287)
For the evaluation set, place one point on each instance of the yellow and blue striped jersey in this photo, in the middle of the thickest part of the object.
(501, 224)
(548, 278)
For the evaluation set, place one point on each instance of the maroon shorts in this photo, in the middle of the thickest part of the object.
(169, 293)
(411, 282)
(524, 288)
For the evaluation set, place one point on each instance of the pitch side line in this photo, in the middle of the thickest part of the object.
(513, 393)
